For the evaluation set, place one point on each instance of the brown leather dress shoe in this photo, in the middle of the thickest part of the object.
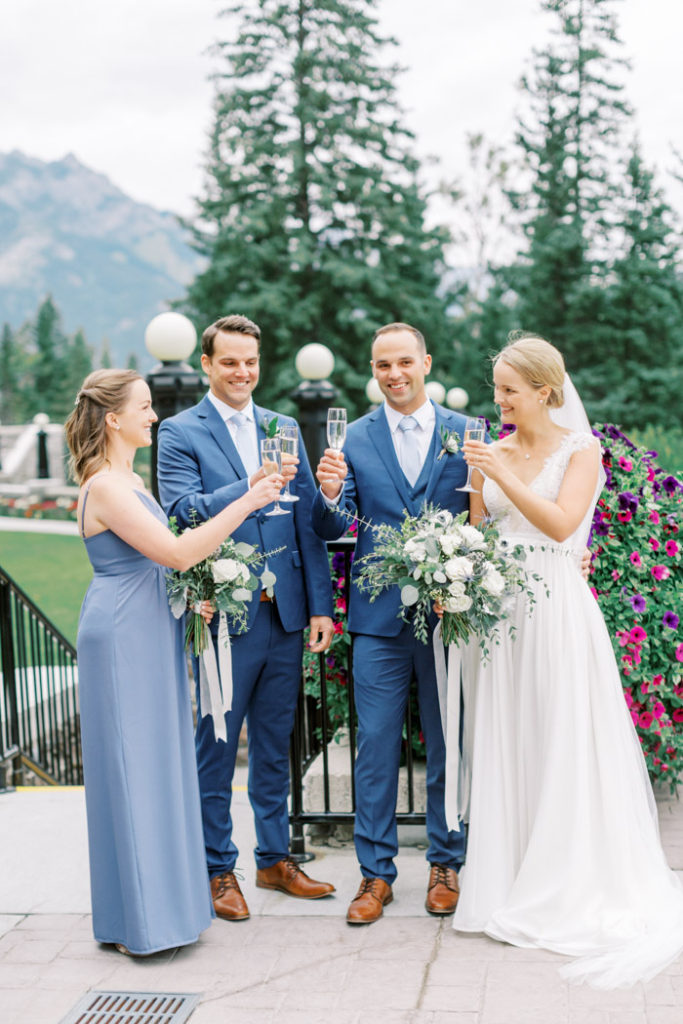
(369, 902)
(443, 890)
(287, 876)
(228, 901)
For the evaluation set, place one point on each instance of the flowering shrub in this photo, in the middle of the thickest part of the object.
(635, 576)
(32, 507)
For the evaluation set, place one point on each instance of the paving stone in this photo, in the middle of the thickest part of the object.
(631, 998)
(447, 971)
(522, 996)
(452, 998)
(8, 922)
(34, 951)
(660, 992)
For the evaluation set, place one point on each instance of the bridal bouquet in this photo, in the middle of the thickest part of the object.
(226, 578)
(438, 557)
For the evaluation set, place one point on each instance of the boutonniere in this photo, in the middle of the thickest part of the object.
(450, 443)
(269, 426)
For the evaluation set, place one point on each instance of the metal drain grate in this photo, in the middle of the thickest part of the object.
(133, 1008)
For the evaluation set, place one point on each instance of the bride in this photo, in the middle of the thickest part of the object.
(563, 848)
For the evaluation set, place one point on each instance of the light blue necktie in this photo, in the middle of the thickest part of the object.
(245, 442)
(411, 462)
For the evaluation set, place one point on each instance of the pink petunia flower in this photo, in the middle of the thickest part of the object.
(654, 517)
(671, 548)
(634, 558)
(678, 715)
(679, 653)
(654, 543)
(638, 634)
(657, 680)
(625, 464)
(660, 572)
(625, 517)
(615, 574)
(594, 592)
(658, 709)
(628, 698)
(644, 687)
(646, 719)
(635, 716)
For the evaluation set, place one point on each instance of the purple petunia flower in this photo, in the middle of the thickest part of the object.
(670, 484)
(628, 501)
(638, 603)
(670, 620)
(601, 528)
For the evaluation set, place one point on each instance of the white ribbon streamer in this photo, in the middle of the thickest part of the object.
(455, 685)
(215, 679)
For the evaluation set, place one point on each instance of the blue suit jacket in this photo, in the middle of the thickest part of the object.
(376, 490)
(199, 468)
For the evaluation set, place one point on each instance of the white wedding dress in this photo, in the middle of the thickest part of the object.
(563, 848)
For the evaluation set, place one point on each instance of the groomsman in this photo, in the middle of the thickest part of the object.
(390, 466)
(209, 456)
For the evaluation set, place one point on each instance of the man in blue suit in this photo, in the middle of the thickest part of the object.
(208, 456)
(390, 466)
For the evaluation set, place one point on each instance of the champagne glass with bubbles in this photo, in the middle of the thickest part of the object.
(475, 430)
(271, 460)
(289, 445)
(336, 428)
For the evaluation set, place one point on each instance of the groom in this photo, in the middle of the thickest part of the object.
(390, 466)
(208, 457)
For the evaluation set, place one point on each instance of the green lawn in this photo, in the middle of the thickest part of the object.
(53, 570)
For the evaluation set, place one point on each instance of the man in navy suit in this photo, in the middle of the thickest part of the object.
(390, 465)
(208, 456)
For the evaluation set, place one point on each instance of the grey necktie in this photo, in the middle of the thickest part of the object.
(411, 463)
(245, 442)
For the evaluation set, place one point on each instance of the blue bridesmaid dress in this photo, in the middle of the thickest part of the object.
(148, 875)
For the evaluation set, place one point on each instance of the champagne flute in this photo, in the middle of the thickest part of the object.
(289, 445)
(271, 460)
(475, 430)
(336, 428)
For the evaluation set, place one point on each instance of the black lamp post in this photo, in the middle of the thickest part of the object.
(313, 396)
(174, 384)
(41, 420)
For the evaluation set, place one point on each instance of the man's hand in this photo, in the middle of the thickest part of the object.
(331, 472)
(586, 563)
(322, 631)
(289, 464)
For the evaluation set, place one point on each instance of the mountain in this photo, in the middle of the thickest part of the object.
(110, 263)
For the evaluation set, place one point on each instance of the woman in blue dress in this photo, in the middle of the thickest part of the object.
(149, 881)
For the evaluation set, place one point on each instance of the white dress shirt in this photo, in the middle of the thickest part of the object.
(247, 443)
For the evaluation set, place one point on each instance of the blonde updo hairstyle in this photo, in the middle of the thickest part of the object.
(538, 363)
(103, 391)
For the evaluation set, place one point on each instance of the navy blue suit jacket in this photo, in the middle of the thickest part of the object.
(199, 468)
(377, 491)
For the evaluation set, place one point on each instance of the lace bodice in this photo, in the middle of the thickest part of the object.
(546, 484)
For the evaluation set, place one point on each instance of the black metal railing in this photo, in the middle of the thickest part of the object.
(313, 744)
(39, 720)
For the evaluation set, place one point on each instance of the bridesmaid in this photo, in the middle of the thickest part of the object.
(148, 875)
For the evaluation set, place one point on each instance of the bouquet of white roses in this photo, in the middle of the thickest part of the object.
(438, 557)
(226, 578)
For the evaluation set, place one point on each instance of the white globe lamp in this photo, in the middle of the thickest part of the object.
(314, 362)
(457, 398)
(373, 392)
(170, 337)
(436, 391)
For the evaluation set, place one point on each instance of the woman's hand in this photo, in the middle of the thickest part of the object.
(438, 609)
(206, 610)
(483, 457)
(266, 491)
(331, 472)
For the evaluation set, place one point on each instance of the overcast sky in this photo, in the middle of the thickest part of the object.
(123, 84)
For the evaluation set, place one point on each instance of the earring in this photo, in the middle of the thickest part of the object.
(540, 401)
(116, 426)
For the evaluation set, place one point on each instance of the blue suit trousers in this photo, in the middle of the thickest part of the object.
(383, 669)
(266, 668)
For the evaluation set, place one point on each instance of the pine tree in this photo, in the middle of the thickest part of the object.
(641, 326)
(77, 366)
(49, 344)
(312, 216)
(570, 141)
(9, 377)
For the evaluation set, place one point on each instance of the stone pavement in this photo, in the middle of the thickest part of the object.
(293, 962)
